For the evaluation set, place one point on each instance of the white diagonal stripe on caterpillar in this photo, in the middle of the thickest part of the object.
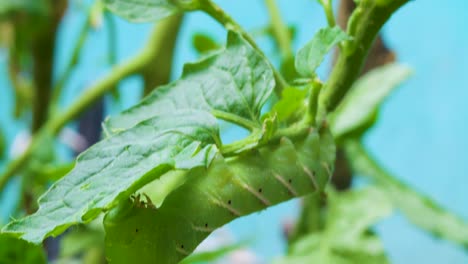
(327, 168)
(182, 251)
(226, 206)
(311, 176)
(203, 228)
(285, 184)
(259, 196)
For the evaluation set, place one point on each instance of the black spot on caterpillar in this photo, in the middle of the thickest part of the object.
(228, 189)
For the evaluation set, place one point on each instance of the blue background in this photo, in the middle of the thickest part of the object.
(421, 135)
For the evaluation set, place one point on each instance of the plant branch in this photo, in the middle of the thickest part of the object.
(62, 81)
(328, 8)
(91, 95)
(218, 14)
(254, 140)
(364, 25)
(111, 37)
(111, 46)
(240, 121)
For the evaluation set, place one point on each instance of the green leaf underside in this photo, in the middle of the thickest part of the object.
(345, 239)
(419, 209)
(142, 10)
(118, 166)
(310, 56)
(228, 189)
(363, 100)
(235, 81)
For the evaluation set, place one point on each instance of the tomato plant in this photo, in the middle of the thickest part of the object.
(161, 179)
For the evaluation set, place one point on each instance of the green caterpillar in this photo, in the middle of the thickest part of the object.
(212, 197)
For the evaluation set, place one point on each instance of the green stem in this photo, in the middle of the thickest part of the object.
(311, 115)
(363, 26)
(218, 14)
(91, 95)
(280, 30)
(245, 144)
(111, 46)
(328, 8)
(245, 123)
(111, 37)
(253, 141)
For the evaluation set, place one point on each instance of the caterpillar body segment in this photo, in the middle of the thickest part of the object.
(229, 188)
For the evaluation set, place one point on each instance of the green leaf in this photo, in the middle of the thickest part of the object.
(292, 104)
(114, 168)
(170, 130)
(13, 250)
(419, 209)
(358, 108)
(142, 10)
(345, 239)
(309, 57)
(233, 84)
(203, 43)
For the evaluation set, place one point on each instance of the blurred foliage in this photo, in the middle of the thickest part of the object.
(210, 256)
(21, 22)
(30, 6)
(13, 250)
(346, 237)
(418, 209)
(203, 43)
(83, 244)
(267, 31)
(358, 110)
